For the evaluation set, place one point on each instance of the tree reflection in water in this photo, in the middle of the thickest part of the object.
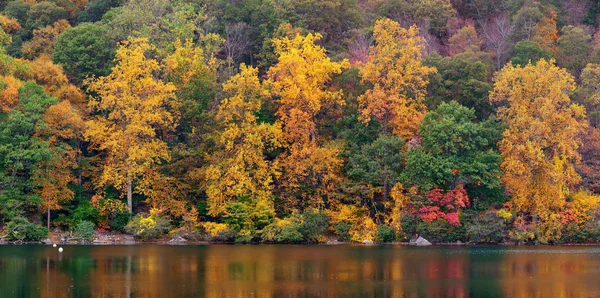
(298, 271)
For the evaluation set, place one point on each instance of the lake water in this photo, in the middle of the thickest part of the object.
(298, 271)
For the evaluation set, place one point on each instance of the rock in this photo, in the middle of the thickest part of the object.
(47, 241)
(367, 242)
(128, 240)
(178, 240)
(422, 242)
(332, 242)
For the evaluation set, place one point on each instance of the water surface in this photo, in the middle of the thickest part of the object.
(298, 271)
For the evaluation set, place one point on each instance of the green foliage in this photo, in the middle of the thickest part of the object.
(528, 51)
(95, 9)
(378, 163)
(21, 148)
(385, 233)
(284, 230)
(454, 148)
(342, 231)
(19, 228)
(148, 227)
(84, 212)
(245, 218)
(299, 227)
(85, 50)
(487, 228)
(465, 78)
(573, 48)
(85, 231)
(314, 224)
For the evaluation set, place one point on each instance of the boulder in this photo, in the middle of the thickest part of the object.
(47, 241)
(367, 242)
(421, 242)
(178, 240)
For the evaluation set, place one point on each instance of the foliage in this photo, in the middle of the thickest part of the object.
(385, 234)
(398, 78)
(84, 51)
(136, 107)
(19, 228)
(85, 230)
(539, 145)
(148, 227)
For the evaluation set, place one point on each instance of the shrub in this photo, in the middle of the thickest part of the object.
(489, 227)
(149, 227)
(385, 233)
(284, 230)
(85, 230)
(314, 224)
(119, 221)
(342, 230)
(21, 229)
(85, 211)
(219, 231)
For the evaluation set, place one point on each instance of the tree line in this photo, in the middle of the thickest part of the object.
(294, 121)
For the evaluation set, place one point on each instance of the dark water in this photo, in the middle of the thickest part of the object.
(298, 271)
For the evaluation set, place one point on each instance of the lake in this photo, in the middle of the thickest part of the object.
(298, 271)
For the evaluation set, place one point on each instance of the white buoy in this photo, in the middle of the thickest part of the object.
(54, 245)
(60, 249)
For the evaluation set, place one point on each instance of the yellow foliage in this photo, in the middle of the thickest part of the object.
(582, 202)
(362, 226)
(55, 82)
(9, 93)
(136, 107)
(396, 206)
(539, 145)
(397, 77)
(8, 24)
(299, 82)
(213, 228)
(239, 167)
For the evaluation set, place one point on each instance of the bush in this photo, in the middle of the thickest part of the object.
(85, 230)
(487, 228)
(219, 231)
(84, 212)
(21, 229)
(149, 227)
(119, 221)
(284, 230)
(385, 234)
(314, 224)
(342, 230)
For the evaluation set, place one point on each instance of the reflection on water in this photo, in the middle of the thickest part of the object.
(298, 271)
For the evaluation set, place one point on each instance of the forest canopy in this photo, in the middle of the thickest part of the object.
(301, 120)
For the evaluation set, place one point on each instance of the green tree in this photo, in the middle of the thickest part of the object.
(573, 48)
(454, 151)
(85, 50)
(528, 51)
(22, 148)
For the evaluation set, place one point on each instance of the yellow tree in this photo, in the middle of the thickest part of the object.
(397, 77)
(240, 167)
(299, 82)
(133, 108)
(539, 145)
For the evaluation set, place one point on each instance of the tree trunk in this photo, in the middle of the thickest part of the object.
(48, 219)
(129, 199)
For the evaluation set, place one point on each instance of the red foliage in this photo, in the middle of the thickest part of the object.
(444, 205)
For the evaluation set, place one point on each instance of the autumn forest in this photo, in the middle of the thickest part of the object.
(288, 121)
